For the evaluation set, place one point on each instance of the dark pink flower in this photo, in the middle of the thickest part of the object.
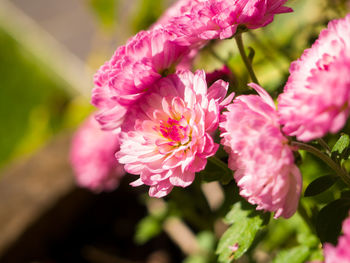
(132, 70)
(92, 157)
(213, 19)
(260, 155)
(224, 73)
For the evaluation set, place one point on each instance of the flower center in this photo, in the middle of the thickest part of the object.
(175, 130)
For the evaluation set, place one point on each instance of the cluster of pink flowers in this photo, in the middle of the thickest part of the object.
(171, 116)
(260, 154)
(316, 98)
(162, 117)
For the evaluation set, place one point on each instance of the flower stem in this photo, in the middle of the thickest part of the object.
(324, 145)
(325, 158)
(247, 62)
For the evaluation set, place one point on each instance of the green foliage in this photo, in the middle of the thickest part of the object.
(330, 218)
(297, 254)
(246, 222)
(341, 149)
(206, 241)
(147, 228)
(320, 185)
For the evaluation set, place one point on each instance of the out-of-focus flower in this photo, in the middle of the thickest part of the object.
(132, 71)
(260, 155)
(93, 157)
(224, 73)
(341, 252)
(167, 138)
(214, 19)
(316, 97)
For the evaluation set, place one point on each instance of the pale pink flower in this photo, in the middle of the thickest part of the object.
(132, 70)
(92, 157)
(260, 155)
(316, 97)
(214, 19)
(341, 252)
(167, 138)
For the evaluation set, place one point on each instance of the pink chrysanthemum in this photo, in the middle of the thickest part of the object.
(168, 136)
(214, 19)
(340, 253)
(316, 97)
(131, 71)
(92, 157)
(260, 155)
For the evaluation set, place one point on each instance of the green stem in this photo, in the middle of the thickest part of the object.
(215, 160)
(303, 213)
(324, 145)
(339, 171)
(247, 63)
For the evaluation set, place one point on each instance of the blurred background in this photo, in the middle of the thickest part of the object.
(49, 51)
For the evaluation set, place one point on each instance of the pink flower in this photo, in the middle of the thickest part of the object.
(132, 70)
(167, 138)
(214, 19)
(316, 97)
(340, 253)
(224, 73)
(260, 155)
(92, 157)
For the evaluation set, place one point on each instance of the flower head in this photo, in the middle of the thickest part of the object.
(260, 155)
(132, 70)
(214, 19)
(316, 97)
(92, 157)
(340, 253)
(167, 138)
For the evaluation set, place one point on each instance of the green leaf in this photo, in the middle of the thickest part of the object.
(206, 240)
(320, 185)
(341, 148)
(330, 218)
(147, 228)
(297, 254)
(246, 224)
